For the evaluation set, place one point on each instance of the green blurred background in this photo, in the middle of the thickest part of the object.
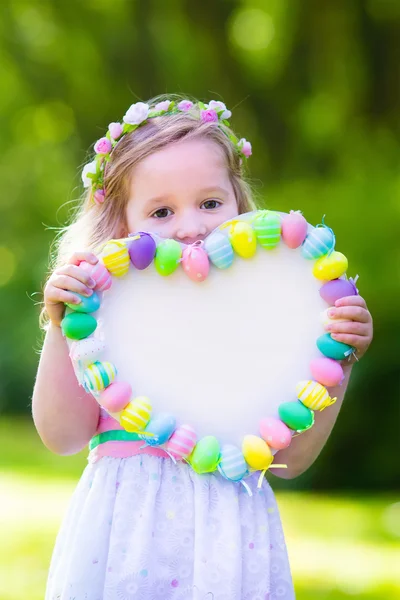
(315, 87)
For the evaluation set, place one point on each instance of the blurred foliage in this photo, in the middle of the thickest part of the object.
(314, 86)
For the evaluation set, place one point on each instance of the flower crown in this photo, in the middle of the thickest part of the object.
(139, 114)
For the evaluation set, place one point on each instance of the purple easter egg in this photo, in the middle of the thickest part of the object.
(142, 250)
(337, 288)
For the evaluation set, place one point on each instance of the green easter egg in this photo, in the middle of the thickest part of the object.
(296, 416)
(268, 229)
(88, 304)
(205, 456)
(77, 326)
(332, 348)
(167, 257)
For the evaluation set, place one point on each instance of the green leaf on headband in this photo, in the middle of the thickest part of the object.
(202, 106)
(225, 122)
(108, 136)
(171, 106)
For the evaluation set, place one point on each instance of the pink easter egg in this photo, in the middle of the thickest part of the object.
(181, 442)
(294, 229)
(116, 396)
(195, 262)
(275, 433)
(326, 371)
(99, 273)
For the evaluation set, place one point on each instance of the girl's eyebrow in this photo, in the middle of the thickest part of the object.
(167, 198)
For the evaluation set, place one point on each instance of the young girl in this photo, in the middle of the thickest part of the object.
(140, 526)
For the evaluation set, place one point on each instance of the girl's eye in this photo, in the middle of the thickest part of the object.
(162, 213)
(210, 204)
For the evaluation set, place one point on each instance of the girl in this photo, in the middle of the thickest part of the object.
(141, 527)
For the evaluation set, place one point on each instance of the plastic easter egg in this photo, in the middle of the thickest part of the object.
(332, 348)
(115, 257)
(168, 255)
(99, 273)
(195, 262)
(88, 304)
(136, 414)
(116, 396)
(318, 242)
(219, 250)
(294, 229)
(296, 416)
(275, 433)
(243, 239)
(99, 375)
(142, 250)
(313, 395)
(181, 443)
(337, 288)
(232, 464)
(86, 351)
(161, 426)
(256, 452)
(77, 326)
(326, 371)
(267, 227)
(330, 267)
(205, 456)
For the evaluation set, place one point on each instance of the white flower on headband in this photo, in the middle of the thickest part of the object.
(163, 106)
(90, 168)
(136, 113)
(218, 107)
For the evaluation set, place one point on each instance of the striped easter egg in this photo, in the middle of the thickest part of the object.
(313, 395)
(219, 250)
(232, 464)
(115, 257)
(267, 227)
(182, 442)
(136, 414)
(99, 273)
(318, 242)
(99, 375)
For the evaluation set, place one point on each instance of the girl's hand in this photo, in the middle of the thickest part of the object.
(65, 280)
(357, 331)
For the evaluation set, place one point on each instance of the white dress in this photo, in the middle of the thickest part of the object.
(144, 528)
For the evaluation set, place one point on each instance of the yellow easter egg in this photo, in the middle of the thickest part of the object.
(136, 414)
(243, 239)
(115, 257)
(330, 267)
(256, 452)
(313, 395)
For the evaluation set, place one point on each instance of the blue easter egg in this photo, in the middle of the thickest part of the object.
(162, 426)
(318, 242)
(219, 250)
(88, 304)
(332, 348)
(232, 464)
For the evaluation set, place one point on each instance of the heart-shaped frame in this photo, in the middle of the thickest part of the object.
(224, 347)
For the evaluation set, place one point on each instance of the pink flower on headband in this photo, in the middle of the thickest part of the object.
(245, 147)
(185, 105)
(218, 107)
(99, 196)
(102, 146)
(162, 105)
(209, 116)
(136, 113)
(115, 130)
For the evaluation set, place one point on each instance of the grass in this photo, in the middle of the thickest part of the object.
(340, 547)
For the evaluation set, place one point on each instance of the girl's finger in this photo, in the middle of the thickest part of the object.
(70, 284)
(351, 327)
(77, 273)
(62, 296)
(78, 257)
(352, 340)
(353, 313)
(351, 301)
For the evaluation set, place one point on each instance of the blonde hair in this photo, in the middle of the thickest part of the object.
(94, 224)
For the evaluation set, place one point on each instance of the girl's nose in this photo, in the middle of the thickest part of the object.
(190, 229)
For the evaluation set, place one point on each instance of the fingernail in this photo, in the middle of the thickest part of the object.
(328, 327)
(91, 283)
(88, 292)
(331, 312)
